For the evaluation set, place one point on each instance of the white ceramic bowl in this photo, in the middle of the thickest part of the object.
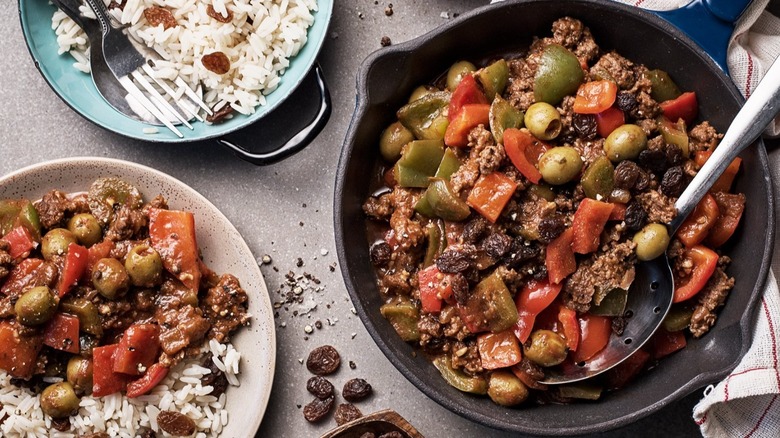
(223, 249)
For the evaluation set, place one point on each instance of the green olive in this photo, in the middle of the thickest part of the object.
(598, 180)
(651, 241)
(79, 373)
(110, 278)
(85, 228)
(393, 139)
(36, 306)
(546, 348)
(560, 165)
(55, 243)
(419, 92)
(144, 265)
(543, 120)
(505, 389)
(456, 73)
(625, 143)
(59, 400)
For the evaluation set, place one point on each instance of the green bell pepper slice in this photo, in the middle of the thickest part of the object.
(583, 391)
(678, 318)
(458, 379)
(87, 313)
(674, 133)
(559, 74)
(502, 117)
(493, 78)
(449, 165)
(19, 212)
(419, 161)
(664, 87)
(403, 316)
(426, 117)
(489, 306)
(444, 203)
(437, 241)
(612, 304)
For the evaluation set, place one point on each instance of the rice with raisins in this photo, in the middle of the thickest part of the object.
(256, 38)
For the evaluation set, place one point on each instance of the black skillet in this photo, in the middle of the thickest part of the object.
(385, 81)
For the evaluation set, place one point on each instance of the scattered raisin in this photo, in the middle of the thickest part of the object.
(216, 62)
(455, 259)
(219, 115)
(474, 230)
(96, 435)
(218, 16)
(320, 387)
(356, 390)
(385, 41)
(317, 409)
(636, 216)
(380, 253)
(653, 160)
(323, 360)
(496, 245)
(551, 227)
(156, 16)
(460, 288)
(626, 174)
(117, 4)
(346, 412)
(673, 182)
(585, 125)
(215, 378)
(626, 101)
(175, 423)
(61, 424)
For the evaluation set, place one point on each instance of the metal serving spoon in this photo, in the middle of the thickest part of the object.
(651, 293)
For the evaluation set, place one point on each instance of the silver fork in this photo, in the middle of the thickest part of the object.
(127, 63)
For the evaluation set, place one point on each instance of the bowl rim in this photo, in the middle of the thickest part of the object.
(262, 298)
(362, 105)
(295, 74)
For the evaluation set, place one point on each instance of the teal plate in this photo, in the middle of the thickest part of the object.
(78, 91)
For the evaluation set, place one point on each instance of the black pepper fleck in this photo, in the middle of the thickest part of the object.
(352, 365)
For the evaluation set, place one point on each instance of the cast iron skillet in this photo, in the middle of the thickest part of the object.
(384, 83)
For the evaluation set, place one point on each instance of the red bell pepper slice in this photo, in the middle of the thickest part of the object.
(153, 376)
(527, 379)
(434, 287)
(22, 276)
(468, 118)
(559, 258)
(609, 120)
(466, 93)
(524, 150)
(96, 252)
(535, 296)
(723, 184)
(137, 350)
(498, 350)
(490, 195)
(731, 208)
(594, 335)
(698, 224)
(570, 327)
(627, 370)
(62, 333)
(594, 97)
(619, 212)
(685, 107)
(21, 242)
(664, 343)
(75, 264)
(104, 380)
(705, 261)
(588, 223)
(173, 236)
(18, 355)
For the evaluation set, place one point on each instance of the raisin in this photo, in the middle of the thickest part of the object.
(380, 253)
(636, 216)
(460, 288)
(674, 155)
(626, 174)
(653, 160)
(496, 245)
(540, 273)
(585, 125)
(643, 181)
(520, 253)
(317, 409)
(96, 435)
(216, 378)
(216, 62)
(218, 16)
(156, 16)
(323, 360)
(117, 4)
(219, 115)
(455, 259)
(673, 182)
(551, 227)
(356, 390)
(347, 412)
(175, 423)
(626, 102)
(474, 230)
(61, 424)
(320, 387)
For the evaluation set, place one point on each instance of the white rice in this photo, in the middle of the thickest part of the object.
(117, 415)
(259, 41)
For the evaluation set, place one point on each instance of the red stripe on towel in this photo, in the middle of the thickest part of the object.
(763, 414)
(774, 341)
(639, 2)
(749, 75)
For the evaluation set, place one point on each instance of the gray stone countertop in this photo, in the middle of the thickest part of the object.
(284, 210)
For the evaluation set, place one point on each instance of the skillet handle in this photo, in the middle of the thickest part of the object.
(294, 144)
(709, 23)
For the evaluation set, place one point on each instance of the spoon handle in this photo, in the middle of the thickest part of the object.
(758, 111)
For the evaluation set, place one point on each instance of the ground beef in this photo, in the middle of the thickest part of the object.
(125, 223)
(520, 91)
(464, 178)
(599, 274)
(611, 65)
(6, 261)
(589, 150)
(573, 35)
(703, 137)
(650, 126)
(408, 232)
(180, 327)
(397, 278)
(52, 209)
(658, 206)
(528, 213)
(465, 356)
(710, 298)
(489, 155)
(379, 208)
(225, 306)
